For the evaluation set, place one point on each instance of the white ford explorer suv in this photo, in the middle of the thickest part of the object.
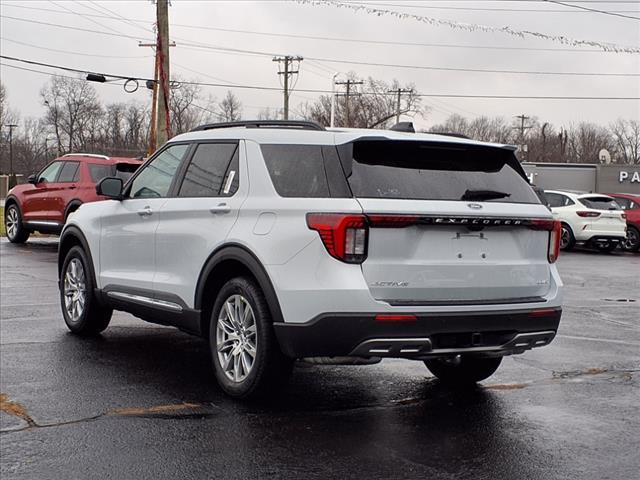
(282, 240)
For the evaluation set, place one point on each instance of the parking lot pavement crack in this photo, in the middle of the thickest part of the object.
(171, 412)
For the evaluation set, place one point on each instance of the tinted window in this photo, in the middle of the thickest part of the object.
(98, 172)
(206, 175)
(156, 177)
(69, 172)
(50, 173)
(125, 171)
(436, 171)
(558, 200)
(296, 170)
(600, 203)
(624, 203)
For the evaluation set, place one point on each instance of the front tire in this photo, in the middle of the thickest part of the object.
(82, 312)
(16, 233)
(463, 369)
(246, 356)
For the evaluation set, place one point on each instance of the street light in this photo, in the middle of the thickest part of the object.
(333, 97)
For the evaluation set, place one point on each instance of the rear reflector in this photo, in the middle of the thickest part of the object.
(545, 312)
(396, 318)
(588, 214)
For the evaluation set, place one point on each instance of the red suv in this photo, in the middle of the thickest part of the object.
(58, 189)
(631, 205)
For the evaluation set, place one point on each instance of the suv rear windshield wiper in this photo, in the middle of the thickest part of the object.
(483, 195)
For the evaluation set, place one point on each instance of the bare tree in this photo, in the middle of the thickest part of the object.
(626, 134)
(72, 108)
(374, 107)
(230, 108)
(585, 142)
(186, 109)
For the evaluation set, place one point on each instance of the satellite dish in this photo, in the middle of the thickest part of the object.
(604, 156)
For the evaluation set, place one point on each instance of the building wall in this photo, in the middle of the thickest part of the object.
(585, 177)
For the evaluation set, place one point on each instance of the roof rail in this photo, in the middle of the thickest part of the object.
(292, 124)
(94, 155)
(452, 134)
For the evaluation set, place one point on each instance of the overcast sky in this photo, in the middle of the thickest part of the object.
(122, 55)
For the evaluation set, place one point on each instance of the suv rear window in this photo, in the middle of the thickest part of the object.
(600, 203)
(435, 171)
(97, 172)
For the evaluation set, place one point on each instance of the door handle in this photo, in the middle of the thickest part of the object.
(72, 187)
(221, 208)
(145, 212)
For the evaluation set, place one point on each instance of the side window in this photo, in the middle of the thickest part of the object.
(625, 203)
(97, 172)
(553, 199)
(297, 170)
(69, 172)
(211, 172)
(50, 173)
(566, 201)
(156, 177)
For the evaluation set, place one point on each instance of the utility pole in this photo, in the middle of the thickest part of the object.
(153, 144)
(287, 71)
(163, 129)
(12, 177)
(523, 128)
(399, 92)
(348, 94)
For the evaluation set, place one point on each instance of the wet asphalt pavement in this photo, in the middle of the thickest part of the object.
(140, 401)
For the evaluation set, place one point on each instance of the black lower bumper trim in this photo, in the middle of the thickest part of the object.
(338, 334)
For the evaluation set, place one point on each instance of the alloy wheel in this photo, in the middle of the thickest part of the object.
(11, 222)
(236, 338)
(632, 240)
(565, 238)
(75, 291)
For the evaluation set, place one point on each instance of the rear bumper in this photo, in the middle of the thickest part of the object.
(429, 335)
(606, 239)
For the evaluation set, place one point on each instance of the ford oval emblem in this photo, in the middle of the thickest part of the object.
(475, 206)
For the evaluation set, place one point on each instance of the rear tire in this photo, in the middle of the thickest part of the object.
(16, 233)
(567, 239)
(632, 244)
(245, 353)
(82, 312)
(465, 370)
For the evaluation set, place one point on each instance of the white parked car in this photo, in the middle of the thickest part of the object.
(282, 240)
(591, 219)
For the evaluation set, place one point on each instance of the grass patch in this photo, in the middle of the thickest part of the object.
(2, 232)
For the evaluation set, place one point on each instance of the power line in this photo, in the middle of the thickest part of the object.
(72, 52)
(469, 27)
(592, 10)
(341, 39)
(480, 9)
(259, 87)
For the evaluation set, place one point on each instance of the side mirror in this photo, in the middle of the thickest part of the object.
(110, 187)
(33, 179)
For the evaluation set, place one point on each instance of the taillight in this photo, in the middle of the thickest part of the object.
(588, 214)
(343, 235)
(553, 251)
(396, 318)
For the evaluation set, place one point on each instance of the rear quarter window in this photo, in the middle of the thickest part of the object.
(297, 170)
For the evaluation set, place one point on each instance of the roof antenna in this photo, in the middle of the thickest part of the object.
(403, 127)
